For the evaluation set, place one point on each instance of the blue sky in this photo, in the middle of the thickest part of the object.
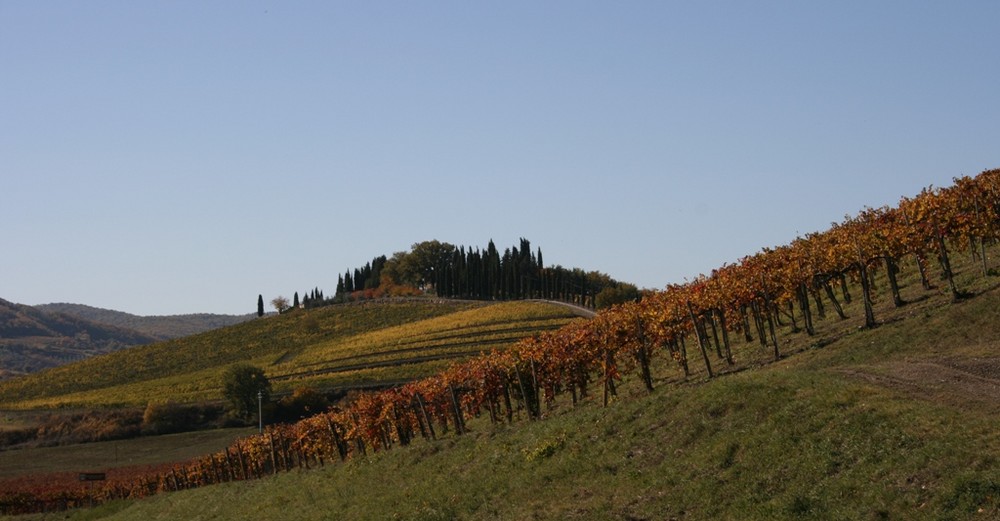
(177, 157)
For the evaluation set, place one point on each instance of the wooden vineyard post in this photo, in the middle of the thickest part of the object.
(230, 466)
(982, 242)
(745, 324)
(865, 288)
(359, 442)
(643, 355)
(701, 341)
(491, 402)
(536, 394)
(402, 431)
(609, 379)
(456, 408)
(173, 475)
(684, 355)
(423, 413)
(725, 336)
(892, 268)
(274, 460)
(758, 322)
(803, 295)
(506, 400)
(524, 393)
(834, 301)
(843, 288)
(242, 462)
(715, 333)
(820, 310)
(338, 441)
(946, 263)
(924, 281)
(770, 326)
(582, 379)
(770, 321)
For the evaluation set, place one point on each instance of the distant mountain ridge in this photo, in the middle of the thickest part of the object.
(32, 339)
(160, 327)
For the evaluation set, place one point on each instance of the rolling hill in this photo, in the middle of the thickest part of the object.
(32, 339)
(893, 422)
(159, 327)
(885, 409)
(341, 346)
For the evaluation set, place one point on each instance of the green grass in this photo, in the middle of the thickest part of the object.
(780, 445)
(801, 438)
(149, 450)
(844, 426)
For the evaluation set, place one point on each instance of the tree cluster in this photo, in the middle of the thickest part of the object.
(449, 271)
(517, 273)
(368, 277)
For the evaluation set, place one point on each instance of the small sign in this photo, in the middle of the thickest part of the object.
(92, 476)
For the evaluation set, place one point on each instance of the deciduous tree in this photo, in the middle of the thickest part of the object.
(280, 303)
(240, 385)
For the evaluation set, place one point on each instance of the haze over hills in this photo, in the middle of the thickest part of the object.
(429, 268)
(160, 327)
(32, 339)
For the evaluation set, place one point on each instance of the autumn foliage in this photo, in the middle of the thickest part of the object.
(682, 322)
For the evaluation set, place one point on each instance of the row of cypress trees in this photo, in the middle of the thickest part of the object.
(448, 271)
(517, 273)
(368, 277)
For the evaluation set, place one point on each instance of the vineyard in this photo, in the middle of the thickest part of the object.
(819, 288)
(346, 345)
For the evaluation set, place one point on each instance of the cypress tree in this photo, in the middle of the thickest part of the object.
(370, 282)
(359, 280)
(260, 305)
(295, 300)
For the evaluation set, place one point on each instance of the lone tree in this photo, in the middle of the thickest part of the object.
(240, 385)
(260, 305)
(280, 303)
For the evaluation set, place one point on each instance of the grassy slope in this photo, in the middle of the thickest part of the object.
(147, 450)
(324, 340)
(856, 429)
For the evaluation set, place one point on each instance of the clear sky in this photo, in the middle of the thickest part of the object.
(178, 157)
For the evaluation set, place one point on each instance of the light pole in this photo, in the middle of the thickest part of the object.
(260, 411)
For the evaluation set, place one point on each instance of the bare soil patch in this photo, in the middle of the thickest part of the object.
(962, 382)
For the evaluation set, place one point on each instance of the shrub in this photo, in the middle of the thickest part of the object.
(302, 403)
(167, 418)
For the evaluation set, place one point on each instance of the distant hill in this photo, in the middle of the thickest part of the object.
(159, 327)
(337, 347)
(32, 339)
